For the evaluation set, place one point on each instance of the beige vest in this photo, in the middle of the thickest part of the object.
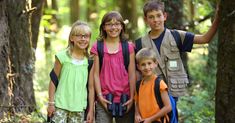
(170, 63)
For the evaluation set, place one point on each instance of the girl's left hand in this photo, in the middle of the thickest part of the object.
(129, 104)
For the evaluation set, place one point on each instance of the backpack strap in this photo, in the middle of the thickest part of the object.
(100, 50)
(177, 38)
(125, 53)
(138, 86)
(158, 94)
(138, 45)
(54, 78)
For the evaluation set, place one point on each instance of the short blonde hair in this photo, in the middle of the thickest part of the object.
(146, 53)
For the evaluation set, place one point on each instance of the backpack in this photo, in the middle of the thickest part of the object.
(172, 115)
(55, 81)
(125, 53)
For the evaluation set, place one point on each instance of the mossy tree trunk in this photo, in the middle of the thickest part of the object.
(17, 57)
(225, 87)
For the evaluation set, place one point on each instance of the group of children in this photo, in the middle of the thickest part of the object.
(111, 82)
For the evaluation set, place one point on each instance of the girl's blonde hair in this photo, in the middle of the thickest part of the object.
(77, 27)
(146, 53)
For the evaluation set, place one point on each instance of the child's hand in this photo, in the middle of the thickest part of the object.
(138, 118)
(129, 104)
(104, 102)
(50, 110)
(147, 120)
(89, 118)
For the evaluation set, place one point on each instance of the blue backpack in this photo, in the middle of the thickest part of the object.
(172, 115)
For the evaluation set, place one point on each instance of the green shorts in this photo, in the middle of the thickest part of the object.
(65, 116)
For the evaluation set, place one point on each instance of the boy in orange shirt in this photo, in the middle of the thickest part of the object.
(147, 109)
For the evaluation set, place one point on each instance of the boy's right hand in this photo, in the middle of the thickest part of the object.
(104, 102)
(50, 110)
(138, 118)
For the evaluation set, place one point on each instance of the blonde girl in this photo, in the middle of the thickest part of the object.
(68, 101)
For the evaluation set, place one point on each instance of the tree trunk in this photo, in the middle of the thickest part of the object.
(91, 10)
(17, 58)
(36, 17)
(5, 95)
(74, 10)
(225, 88)
(128, 10)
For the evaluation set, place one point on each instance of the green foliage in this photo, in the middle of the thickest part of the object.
(199, 105)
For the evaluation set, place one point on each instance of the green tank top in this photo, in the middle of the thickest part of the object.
(71, 93)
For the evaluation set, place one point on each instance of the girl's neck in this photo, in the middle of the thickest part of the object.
(112, 40)
(77, 53)
(156, 33)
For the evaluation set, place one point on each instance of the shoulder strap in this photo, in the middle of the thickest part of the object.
(54, 78)
(177, 38)
(90, 63)
(138, 45)
(158, 94)
(138, 86)
(100, 50)
(125, 53)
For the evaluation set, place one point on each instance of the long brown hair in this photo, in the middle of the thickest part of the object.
(108, 17)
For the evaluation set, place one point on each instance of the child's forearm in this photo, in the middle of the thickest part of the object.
(132, 76)
(51, 92)
(207, 37)
(91, 89)
(161, 113)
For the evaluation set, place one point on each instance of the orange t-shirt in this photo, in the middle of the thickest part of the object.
(146, 100)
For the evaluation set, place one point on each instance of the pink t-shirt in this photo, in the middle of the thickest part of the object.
(113, 75)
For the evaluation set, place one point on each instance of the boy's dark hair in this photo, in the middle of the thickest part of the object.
(153, 5)
(108, 17)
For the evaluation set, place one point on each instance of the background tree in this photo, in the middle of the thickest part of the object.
(17, 57)
(128, 10)
(74, 10)
(225, 87)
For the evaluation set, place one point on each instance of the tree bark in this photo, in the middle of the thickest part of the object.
(4, 56)
(17, 57)
(225, 87)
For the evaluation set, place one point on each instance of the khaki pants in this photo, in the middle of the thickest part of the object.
(102, 116)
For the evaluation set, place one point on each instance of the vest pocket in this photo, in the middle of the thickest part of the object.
(177, 84)
(173, 62)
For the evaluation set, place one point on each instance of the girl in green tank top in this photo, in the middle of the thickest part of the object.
(68, 101)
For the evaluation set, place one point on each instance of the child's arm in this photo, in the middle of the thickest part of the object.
(206, 38)
(164, 110)
(102, 100)
(91, 96)
(51, 92)
(132, 80)
(137, 113)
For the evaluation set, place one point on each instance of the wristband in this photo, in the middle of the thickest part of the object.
(51, 103)
(99, 94)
